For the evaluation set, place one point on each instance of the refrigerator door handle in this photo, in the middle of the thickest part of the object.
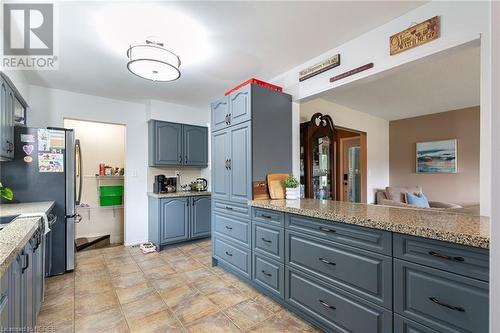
(78, 218)
(78, 170)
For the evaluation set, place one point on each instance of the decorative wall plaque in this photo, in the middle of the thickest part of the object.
(415, 36)
(319, 68)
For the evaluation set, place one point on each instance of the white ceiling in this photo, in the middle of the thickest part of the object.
(246, 39)
(441, 82)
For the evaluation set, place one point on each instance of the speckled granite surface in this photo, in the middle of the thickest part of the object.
(16, 234)
(449, 227)
(178, 194)
(25, 208)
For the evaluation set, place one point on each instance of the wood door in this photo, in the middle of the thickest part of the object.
(220, 170)
(220, 113)
(174, 220)
(195, 145)
(240, 185)
(168, 143)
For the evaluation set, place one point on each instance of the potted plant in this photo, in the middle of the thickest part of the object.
(292, 186)
(6, 192)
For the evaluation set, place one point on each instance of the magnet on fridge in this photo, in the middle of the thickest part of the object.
(28, 149)
(28, 159)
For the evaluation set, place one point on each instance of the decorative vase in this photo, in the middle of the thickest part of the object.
(292, 193)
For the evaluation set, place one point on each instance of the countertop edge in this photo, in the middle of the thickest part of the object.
(179, 194)
(429, 233)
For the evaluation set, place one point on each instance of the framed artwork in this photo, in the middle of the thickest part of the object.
(437, 156)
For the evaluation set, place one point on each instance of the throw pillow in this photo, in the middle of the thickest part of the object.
(418, 200)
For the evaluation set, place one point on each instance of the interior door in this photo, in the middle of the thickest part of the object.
(220, 166)
(240, 163)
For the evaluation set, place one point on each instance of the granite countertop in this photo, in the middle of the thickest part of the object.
(25, 208)
(17, 233)
(178, 194)
(444, 226)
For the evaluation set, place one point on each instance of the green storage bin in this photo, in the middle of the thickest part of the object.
(111, 195)
(115, 200)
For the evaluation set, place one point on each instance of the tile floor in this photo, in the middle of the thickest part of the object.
(119, 289)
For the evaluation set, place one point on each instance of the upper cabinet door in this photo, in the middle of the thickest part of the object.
(220, 164)
(195, 145)
(220, 114)
(166, 143)
(240, 163)
(240, 105)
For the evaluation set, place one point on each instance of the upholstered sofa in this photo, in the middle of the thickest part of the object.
(396, 196)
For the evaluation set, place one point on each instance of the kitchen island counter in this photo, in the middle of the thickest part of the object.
(444, 226)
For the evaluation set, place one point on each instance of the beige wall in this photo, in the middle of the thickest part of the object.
(463, 125)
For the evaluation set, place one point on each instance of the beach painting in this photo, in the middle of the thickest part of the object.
(437, 156)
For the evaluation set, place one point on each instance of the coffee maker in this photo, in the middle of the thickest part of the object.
(165, 184)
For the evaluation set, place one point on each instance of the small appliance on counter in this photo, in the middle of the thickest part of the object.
(165, 184)
(200, 184)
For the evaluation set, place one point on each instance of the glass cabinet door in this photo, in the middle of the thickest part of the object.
(322, 168)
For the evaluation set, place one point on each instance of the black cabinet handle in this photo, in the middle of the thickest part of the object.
(267, 216)
(266, 240)
(228, 227)
(230, 208)
(225, 119)
(229, 119)
(328, 262)
(326, 305)
(326, 229)
(446, 257)
(180, 158)
(186, 159)
(187, 202)
(451, 307)
(266, 273)
(229, 254)
(229, 164)
(27, 263)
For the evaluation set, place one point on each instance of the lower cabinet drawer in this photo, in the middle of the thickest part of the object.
(237, 229)
(268, 240)
(364, 273)
(269, 274)
(238, 258)
(405, 325)
(444, 301)
(240, 210)
(335, 308)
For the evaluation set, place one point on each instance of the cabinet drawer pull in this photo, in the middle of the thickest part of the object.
(180, 159)
(326, 305)
(266, 216)
(229, 254)
(451, 307)
(27, 263)
(185, 159)
(229, 228)
(266, 240)
(229, 164)
(266, 273)
(226, 165)
(327, 261)
(444, 256)
(230, 208)
(326, 229)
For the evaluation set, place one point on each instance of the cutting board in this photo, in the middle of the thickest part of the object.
(260, 190)
(276, 184)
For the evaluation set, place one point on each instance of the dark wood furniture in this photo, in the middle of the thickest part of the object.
(317, 154)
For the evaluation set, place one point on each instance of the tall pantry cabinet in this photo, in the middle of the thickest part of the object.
(251, 137)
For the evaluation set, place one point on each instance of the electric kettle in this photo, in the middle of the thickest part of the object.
(200, 184)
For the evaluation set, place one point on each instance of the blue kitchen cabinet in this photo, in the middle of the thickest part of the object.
(195, 145)
(220, 113)
(240, 105)
(200, 217)
(171, 144)
(4, 299)
(174, 220)
(6, 121)
(220, 164)
(239, 166)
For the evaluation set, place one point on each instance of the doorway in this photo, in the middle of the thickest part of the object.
(100, 168)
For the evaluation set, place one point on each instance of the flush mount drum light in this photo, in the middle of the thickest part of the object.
(152, 61)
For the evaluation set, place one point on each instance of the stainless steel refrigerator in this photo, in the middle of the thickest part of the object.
(43, 169)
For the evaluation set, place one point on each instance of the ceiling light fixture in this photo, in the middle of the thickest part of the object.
(152, 61)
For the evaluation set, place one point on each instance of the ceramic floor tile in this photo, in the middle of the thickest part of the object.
(123, 269)
(215, 323)
(57, 315)
(108, 321)
(159, 322)
(127, 280)
(143, 306)
(176, 296)
(210, 284)
(120, 261)
(194, 308)
(90, 304)
(247, 314)
(169, 282)
(184, 265)
(268, 303)
(146, 256)
(178, 256)
(197, 274)
(93, 287)
(189, 246)
(134, 292)
(280, 322)
(226, 297)
(148, 264)
(159, 272)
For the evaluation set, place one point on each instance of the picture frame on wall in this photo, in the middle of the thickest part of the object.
(437, 156)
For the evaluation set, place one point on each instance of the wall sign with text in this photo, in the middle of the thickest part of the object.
(319, 68)
(416, 35)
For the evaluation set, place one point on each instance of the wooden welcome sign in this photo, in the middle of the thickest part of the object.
(415, 36)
